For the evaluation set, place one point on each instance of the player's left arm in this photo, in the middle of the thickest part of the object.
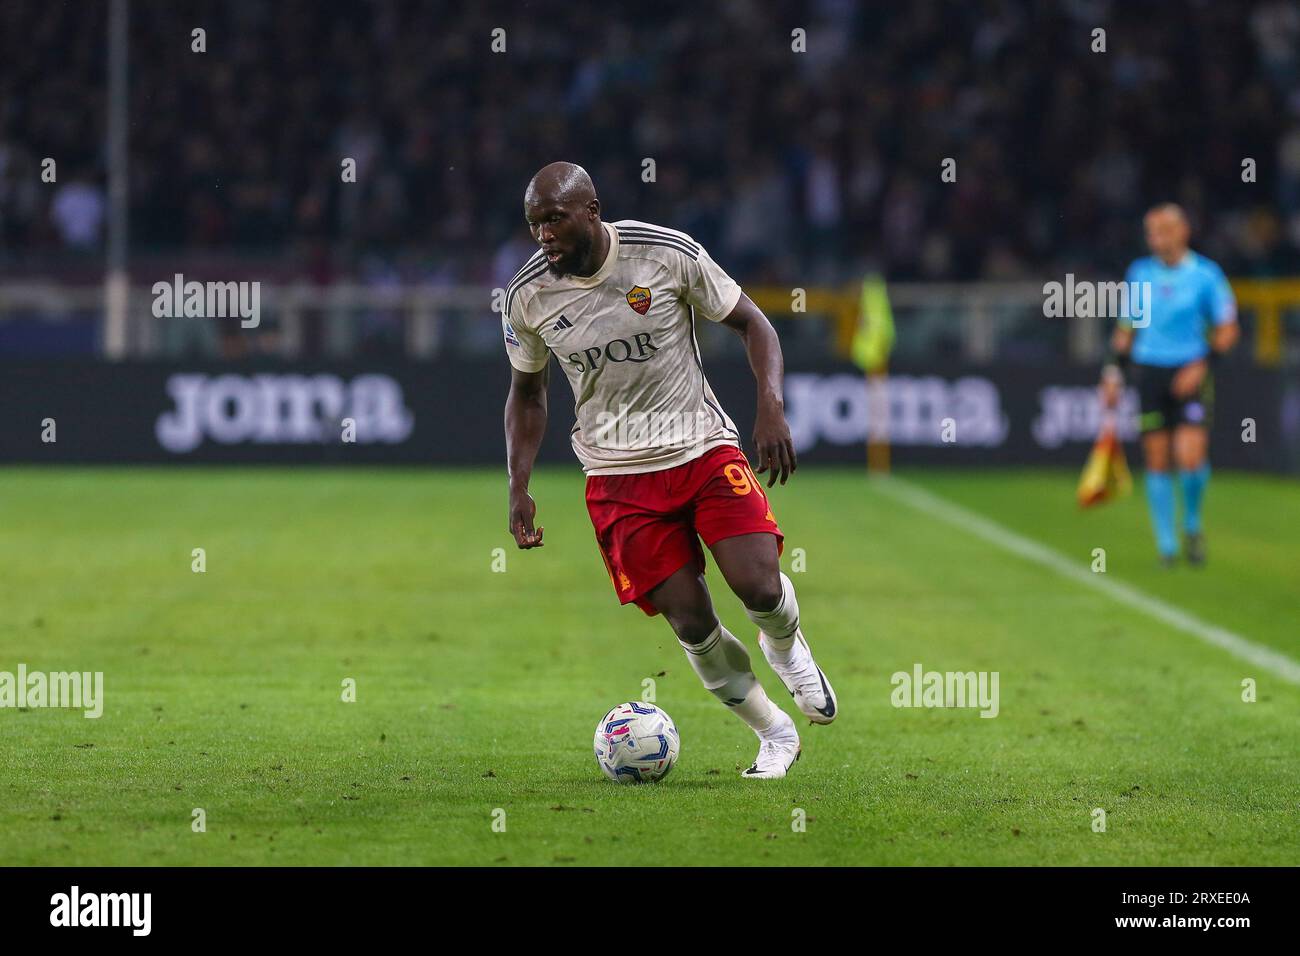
(772, 440)
(1224, 334)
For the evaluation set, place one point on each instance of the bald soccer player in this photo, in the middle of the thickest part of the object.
(1190, 322)
(616, 304)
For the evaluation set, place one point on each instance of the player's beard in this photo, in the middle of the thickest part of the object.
(581, 250)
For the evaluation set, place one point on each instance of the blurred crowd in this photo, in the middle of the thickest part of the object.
(790, 166)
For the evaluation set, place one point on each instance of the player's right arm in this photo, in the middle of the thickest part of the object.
(525, 426)
(1112, 375)
(1121, 347)
(525, 415)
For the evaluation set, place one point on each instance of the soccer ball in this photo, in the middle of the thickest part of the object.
(636, 743)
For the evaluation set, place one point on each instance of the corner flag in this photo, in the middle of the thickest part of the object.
(872, 342)
(874, 337)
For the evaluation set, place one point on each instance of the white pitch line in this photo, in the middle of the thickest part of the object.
(1270, 660)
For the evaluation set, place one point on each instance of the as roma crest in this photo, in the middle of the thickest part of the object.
(639, 299)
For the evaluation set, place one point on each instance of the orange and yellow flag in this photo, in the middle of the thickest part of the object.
(1106, 474)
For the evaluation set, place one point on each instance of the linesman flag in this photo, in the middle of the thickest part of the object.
(1106, 473)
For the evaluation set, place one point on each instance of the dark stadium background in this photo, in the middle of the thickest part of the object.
(804, 171)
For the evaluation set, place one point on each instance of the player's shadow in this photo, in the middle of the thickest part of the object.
(671, 783)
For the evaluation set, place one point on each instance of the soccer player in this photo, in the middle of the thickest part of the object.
(616, 304)
(1171, 364)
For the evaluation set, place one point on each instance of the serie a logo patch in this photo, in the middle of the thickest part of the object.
(638, 297)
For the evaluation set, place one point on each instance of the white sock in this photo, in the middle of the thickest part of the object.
(779, 624)
(722, 663)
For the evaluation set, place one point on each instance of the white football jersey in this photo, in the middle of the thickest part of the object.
(625, 338)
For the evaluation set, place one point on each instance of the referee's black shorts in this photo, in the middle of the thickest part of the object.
(1160, 408)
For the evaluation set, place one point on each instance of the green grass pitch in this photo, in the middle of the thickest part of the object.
(478, 690)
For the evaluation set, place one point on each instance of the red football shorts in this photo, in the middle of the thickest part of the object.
(650, 525)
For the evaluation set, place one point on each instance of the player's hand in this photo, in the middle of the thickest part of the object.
(773, 445)
(522, 511)
(1187, 381)
(1111, 389)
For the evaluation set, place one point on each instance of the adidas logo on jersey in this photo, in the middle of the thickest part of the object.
(564, 323)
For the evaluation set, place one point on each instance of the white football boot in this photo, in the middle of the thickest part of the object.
(778, 749)
(804, 680)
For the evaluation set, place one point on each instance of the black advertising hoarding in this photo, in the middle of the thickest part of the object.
(1016, 415)
(426, 413)
(450, 412)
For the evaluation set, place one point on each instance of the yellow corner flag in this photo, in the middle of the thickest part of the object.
(1106, 474)
(872, 342)
(874, 337)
